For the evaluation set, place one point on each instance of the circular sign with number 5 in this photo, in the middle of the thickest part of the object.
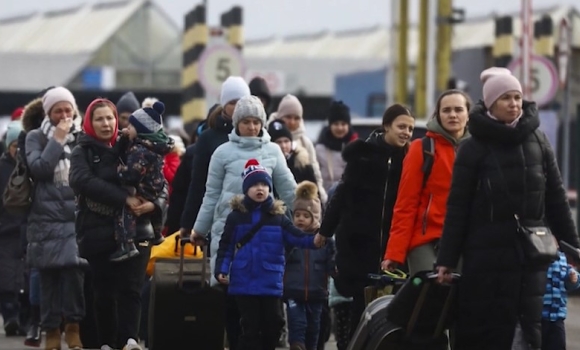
(216, 64)
(544, 79)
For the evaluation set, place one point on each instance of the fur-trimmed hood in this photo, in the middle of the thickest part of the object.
(237, 203)
(34, 114)
(301, 158)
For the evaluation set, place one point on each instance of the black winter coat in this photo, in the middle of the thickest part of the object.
(93, 177)
(498, 287)
(300, 165)
(180, 186)
(206, 144)
(361, 208)
(12, 231)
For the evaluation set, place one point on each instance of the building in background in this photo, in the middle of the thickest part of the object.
(351, 65)
(121, 44)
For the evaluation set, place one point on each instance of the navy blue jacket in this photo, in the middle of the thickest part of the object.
(307, 272)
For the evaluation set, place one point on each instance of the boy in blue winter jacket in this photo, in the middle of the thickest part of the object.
(561, 278)
(307, 272)
(253, 265)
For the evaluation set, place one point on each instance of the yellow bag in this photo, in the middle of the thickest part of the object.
(170, 248)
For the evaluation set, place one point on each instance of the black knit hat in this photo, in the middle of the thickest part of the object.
(277, 129)
(338, 112)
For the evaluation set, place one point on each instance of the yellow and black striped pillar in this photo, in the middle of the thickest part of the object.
(444, 38)
(544, 37)
(231, 21)
(195, 38)
(503, 47)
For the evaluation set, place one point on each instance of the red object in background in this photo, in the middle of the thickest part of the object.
(170, 166)
(17, 113)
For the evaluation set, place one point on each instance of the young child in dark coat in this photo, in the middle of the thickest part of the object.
(143, 146)
(307, 272)
(254, 270)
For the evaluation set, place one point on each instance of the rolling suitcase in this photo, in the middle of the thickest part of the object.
(415, 318)
(374, 326)
(183, 308)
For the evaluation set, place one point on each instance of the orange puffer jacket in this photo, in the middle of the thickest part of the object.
(419, 212)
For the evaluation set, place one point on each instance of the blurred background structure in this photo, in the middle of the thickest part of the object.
(105, 48)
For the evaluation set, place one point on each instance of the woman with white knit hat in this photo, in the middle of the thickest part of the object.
(220, 126)
(504, 176)
(52, 246)
(291, 112)
(248, 140)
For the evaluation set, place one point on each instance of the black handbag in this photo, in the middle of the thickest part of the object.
(538, 244)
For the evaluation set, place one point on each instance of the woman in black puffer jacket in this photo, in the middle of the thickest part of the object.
(507, 167)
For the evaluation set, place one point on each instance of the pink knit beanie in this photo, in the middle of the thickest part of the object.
(56, 95)
(496, 82)
(290, 105)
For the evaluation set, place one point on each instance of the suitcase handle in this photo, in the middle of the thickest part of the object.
(203, 244)
(432, 277)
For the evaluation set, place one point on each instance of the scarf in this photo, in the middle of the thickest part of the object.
(156, 137)
(512, 124)
(61, 171)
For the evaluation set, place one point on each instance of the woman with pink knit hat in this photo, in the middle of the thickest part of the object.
(505, 176)
(290, 111)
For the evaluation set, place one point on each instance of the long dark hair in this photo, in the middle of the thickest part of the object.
(393, 112)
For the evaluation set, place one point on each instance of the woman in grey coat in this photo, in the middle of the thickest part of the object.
(52, 246)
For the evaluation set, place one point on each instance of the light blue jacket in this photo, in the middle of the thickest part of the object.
(224, 181)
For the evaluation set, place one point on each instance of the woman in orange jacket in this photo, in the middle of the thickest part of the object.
(420, 208)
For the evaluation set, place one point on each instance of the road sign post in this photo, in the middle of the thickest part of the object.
(563, 67)
(543, 79)
(216, 64)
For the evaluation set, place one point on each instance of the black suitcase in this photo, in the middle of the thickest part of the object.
(415, 318)
(183, 308)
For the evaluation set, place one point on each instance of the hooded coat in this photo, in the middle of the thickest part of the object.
(51, 223)
(499, 288)
(360, 211)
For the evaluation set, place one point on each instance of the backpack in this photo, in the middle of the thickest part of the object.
(17, 196)
(428, 157)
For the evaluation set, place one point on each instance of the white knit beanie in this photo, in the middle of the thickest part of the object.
(234, 88)
(249, 107)
(56, 95)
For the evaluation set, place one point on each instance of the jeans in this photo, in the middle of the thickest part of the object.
(304, 322)
(553, 335)
(62, 296)
(34, 293)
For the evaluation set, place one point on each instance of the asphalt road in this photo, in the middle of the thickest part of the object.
(572, 331)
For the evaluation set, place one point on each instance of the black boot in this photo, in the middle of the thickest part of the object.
(33, 335)
(124, 251)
